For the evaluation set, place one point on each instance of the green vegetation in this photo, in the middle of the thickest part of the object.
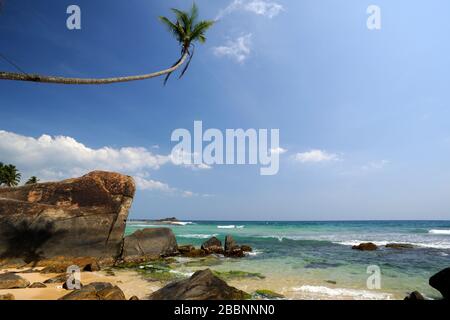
(237, 274)
(9, 175)
(32, 180)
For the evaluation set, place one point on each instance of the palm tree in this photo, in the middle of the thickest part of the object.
(32, 180)
(2, 173)
(11, 176)
(186, 30)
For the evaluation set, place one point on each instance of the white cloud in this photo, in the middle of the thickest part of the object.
(264, 8)
(315, 156)
(238, 49)
(278, 150)
(54, 158)
(375, 165)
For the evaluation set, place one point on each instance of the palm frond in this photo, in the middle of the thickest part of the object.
(194, 14)
(183, 17)
(200, 29)
(173, 28)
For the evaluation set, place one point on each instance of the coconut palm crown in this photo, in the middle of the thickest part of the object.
(187, 30)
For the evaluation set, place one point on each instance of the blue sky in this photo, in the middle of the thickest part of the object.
(363, 115)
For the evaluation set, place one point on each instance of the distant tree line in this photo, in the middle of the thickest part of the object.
(10, 176)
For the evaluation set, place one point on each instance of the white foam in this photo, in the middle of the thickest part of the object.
(184, 274)
(197, 236)
(439, 231)
(232, 226)
(181, 223)
(342, 292)
(254, 253)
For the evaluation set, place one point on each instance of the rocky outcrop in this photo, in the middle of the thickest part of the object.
(203, 285)
(151, 242)
(213, 245)
(414, 296)
(96, 291)
(12, 281)
(76, 217)
(229, 243)
(399, 246)
(441, 282)
(368, 246)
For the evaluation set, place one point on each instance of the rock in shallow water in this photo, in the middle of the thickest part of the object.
(368, 246)
(149, 242)
(203, 285)
(76, 217)
(441, 282)
(12, 281)
(213, 245)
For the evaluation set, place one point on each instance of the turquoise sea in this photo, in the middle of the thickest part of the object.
(314, 260)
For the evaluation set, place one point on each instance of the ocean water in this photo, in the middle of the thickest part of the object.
(314, 260)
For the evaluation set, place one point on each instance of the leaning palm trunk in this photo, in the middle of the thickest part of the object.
(63, 80)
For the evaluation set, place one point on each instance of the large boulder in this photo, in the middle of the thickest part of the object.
(414, 296)
(96, 291)
(441, 282)
(150, 242)
(213, 245)
(202, 285)
(12, 281)
(76, 217)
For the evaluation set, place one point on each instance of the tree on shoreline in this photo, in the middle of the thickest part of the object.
(32, 180)
(186, 30)
(9, 175)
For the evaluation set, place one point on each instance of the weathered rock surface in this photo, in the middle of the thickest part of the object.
(12, 281)
(57, 279)
(7, 296)
(441, 282)
(96, 291)
(414, 296)
(229, 243)
(399, 246)
(368, 246)
(186, 248)
(154, 242)
(76, 217)
(37, 285)
(203, 285)
(213, 245)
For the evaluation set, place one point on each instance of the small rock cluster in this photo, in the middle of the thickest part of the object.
(214, 246)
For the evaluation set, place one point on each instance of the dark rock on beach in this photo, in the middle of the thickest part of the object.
(368, 246)
(414, 296)
(76, 217)
(441, 282)
(36, 285)
(213, 245)
(96, 291)
(12, 281)
(57, 279)
(186, 249)
(203, 285)
(154, 242)
(7, 296)
(246, 248)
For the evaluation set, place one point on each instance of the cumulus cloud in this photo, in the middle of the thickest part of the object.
(53, 158)
(315, 156)
(238, 49)
(264, 8)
